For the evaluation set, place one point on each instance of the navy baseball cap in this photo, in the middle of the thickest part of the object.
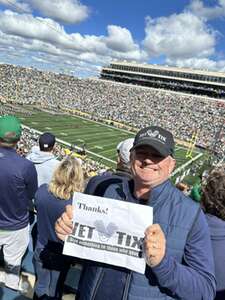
(156, 137)
(46, 141)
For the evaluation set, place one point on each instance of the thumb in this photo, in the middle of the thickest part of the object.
(69, 211)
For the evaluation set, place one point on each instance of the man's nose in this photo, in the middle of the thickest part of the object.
(147, 160)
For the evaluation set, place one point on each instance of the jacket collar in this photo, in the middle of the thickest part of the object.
(7, 149)
(128, 186)
(157, 191)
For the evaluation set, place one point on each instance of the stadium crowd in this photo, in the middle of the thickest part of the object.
(131, 105)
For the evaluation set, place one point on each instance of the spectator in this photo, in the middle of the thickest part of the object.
(50, 201)
(122, 170)
(183, 187)
(196, 191)
(43, 158)
(123, 159)
(45, 163)
(18, 183)
(213, 202)
(177, 247)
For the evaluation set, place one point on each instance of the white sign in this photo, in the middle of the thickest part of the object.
(109, 231)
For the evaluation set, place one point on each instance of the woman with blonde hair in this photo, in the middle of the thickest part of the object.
(50, 202)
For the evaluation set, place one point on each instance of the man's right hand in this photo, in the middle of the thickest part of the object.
(64, 224)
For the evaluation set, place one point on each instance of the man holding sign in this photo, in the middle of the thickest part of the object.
(177, 246)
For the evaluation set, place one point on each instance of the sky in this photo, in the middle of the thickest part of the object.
(79, 37)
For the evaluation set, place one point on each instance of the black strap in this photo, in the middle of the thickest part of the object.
(103, 185)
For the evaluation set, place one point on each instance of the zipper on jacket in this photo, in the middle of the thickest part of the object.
(97, 284)
(127, 285)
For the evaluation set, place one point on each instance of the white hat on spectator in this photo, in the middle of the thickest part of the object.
(123, 149)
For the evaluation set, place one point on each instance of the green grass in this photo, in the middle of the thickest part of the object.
(99, 139)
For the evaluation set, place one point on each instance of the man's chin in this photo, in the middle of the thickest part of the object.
(142, 181)
(151, 183)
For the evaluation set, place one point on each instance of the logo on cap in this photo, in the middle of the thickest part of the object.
(153, 134)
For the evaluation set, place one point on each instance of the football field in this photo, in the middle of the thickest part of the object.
(100, 140)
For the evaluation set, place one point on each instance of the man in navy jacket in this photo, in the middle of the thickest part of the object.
(18, 184)
(177, 246)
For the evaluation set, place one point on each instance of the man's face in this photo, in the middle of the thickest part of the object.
(149, 168)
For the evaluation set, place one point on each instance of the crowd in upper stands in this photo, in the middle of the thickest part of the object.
(131, 105)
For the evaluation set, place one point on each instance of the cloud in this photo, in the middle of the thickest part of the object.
(37, 35)
(40, 60)
(198, 8)
(66, 11)
(121, 45)
(47, 30)
(120, 39)
(16, 5)
(183, 39)
(198, 63)
(27, 26)
(179, 36)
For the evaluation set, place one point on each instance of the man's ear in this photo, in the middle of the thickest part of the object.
(172, 165)
(131, 155)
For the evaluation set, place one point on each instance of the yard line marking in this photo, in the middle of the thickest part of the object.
(48, 128)
(108, 150)
(101, 134)
(111, 145)
(63, 133)
(93, 144)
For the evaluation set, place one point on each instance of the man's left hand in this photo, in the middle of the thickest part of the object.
(154, 244)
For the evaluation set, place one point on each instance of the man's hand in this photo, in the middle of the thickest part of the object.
(154, 244)
(64, 224)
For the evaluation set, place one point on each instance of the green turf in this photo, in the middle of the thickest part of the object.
(98, 138)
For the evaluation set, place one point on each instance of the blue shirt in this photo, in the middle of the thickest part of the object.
(18, 184)
(49, 209)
